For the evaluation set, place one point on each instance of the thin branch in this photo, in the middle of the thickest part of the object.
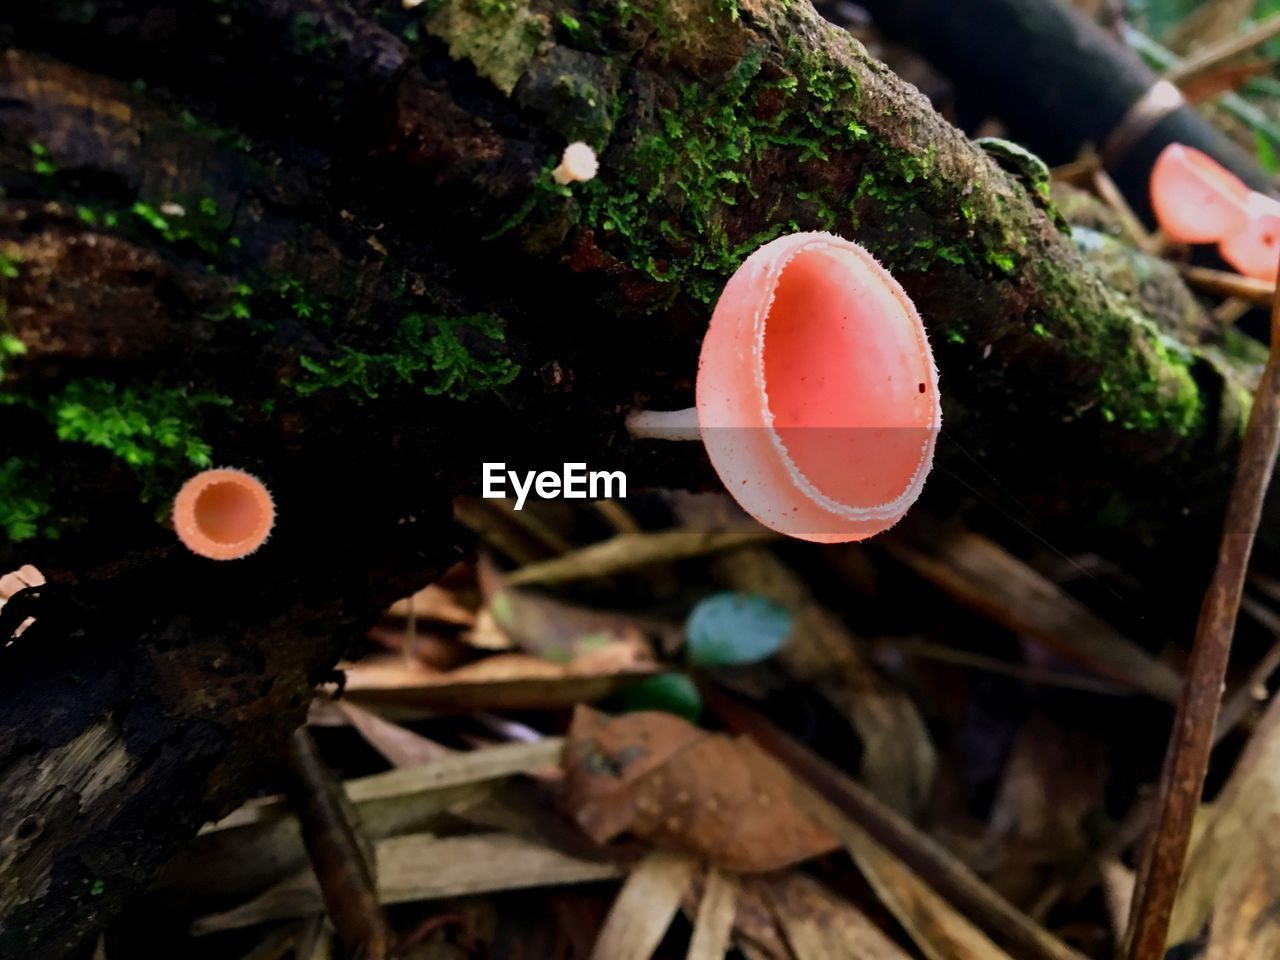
(1187, 760)
(1224, 283)
(1218, 53)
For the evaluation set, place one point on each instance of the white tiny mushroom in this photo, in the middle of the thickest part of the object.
(171, 209)
(410, 4)
(577, 163)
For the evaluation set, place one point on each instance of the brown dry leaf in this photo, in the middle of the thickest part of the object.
(516, 533)
(1054, 779)
(1245, 923)
(755, 930)
(822, 926)
(898, 759)
(1209, 24)
(662, 779)
(422, 867)
(1224, 79)
(631, 551)
(1241, 829)
(507, 681)
(940, 930)
(435, 602)
(549, 627)
(260, 842)
(713, 924)
(1117, 892)
(981, 574)
(645, 907)
(400, 746)
(487, 634)
(819, 785)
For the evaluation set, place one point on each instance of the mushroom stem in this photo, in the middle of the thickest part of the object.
(664, 424)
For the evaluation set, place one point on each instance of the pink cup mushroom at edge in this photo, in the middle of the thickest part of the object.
(223, 514)
(1254, 250)
(1195, 199)
(817, 394)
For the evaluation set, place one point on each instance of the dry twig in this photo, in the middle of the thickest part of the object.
(1187, 760)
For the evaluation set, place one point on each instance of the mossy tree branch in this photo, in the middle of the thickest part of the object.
(318, 239)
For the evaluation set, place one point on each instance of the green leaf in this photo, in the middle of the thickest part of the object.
(729, 628)
(668, 692)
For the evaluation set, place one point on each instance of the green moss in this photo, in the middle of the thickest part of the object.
(199, 225)
(1003, 261)
(41, 162)
(156, 431)
(147, 426)
(10, 346)
(665, 208)
(440, 355)
(9, 266)
(216, 134)
(299, 301)
(308, 36)
(571, 24)
(24, 502)
(498, 37)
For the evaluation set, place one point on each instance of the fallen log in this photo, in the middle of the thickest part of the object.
(319, 240)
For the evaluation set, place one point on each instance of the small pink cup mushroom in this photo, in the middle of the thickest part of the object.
(1254, 249)
(223, 514)
(817, 394)
(578, 164)
(1195, 199)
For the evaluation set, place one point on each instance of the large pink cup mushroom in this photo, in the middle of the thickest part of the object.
(817, 395)
(223, 514)
(1254, 249)
(1195, 199)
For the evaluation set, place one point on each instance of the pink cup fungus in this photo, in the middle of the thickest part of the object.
(1254, 250)
(817, 394)
(578, 164)
(223, 514)
(1195, 199)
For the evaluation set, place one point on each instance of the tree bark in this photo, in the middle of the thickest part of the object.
(373, 286)
(1057, 78)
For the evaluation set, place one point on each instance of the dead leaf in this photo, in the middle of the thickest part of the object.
(822, 926)
(713, 924)
(660, 778)
(507, 681)
(516, 533)
(435, 602)
(1241, 828)
(898, 759)
(979, 573)
(552, 628)
(1209, 24)
(1224, 79)
(940, 930)
(422, 867)
(400, 746)
(260, 843)
(1054, 779)
(755, 929)
(933, 866)
(645, 907)
(1246, 920)
(631, 551)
